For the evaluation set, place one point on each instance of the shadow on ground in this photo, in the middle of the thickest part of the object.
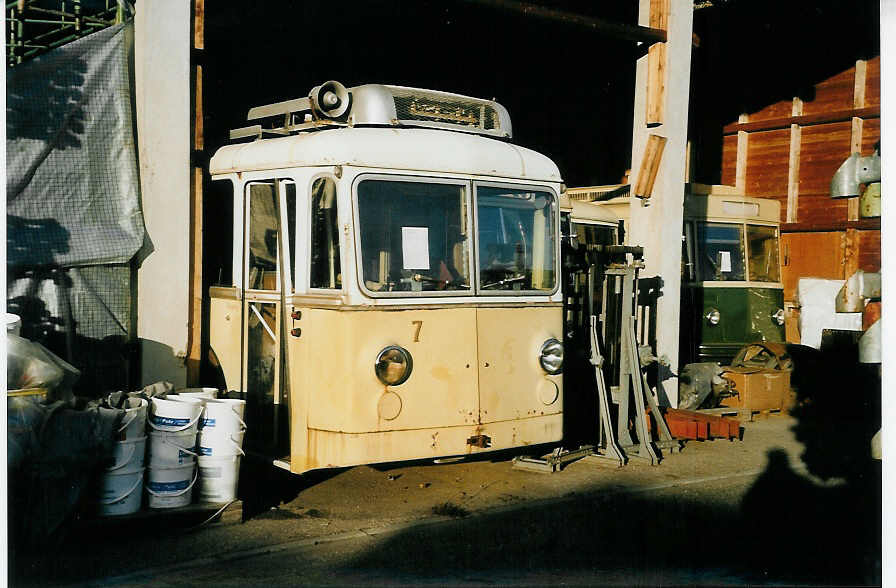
(787, 528)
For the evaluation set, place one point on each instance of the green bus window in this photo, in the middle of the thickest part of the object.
(762, 248)
(325, 267)
(720, 252)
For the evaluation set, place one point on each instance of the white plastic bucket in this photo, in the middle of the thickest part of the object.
(213, 443)
(170, 487)
(168, 450)
(129, 456)
(133, 425)
(13, 323)
(175, 415)
(120, 493)
(224, 415)
(206, 393)
(218, 478)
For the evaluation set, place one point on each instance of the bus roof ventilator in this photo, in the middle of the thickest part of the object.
(333, 105)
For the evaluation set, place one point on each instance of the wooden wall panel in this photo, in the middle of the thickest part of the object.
(822, 149)
(729, 159)
(781, 109)
(810, 255)
(869, 251)
(870, 135)
(767, 165)
(872, 82)
(834, 93)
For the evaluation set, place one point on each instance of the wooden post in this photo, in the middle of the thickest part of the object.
(740, 167)
(858, 101)
(850, 252)
(793, 167)
(194, 353)
(658, 226)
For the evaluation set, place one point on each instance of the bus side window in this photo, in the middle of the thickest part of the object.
(264, 228)
(325, 267)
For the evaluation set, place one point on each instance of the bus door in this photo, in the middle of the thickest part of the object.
(267, 261)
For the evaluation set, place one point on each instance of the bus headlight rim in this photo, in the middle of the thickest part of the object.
(393, 365)
(550, 357)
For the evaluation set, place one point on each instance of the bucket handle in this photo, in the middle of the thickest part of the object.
(126, 494)
(195, 476)
(237, 415)
(184, 428)
(236, 445)
(126, 461)
(127, 421)
(184, 449)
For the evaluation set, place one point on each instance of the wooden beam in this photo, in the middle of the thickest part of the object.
(793, 164)
(650, 165)
(858, 101)
(656, 66)
(199, 24)
(194, 346)
(850, 252)
(605, 28)
(863, 224)
(656, 84)
(806, 120)
(740, 165)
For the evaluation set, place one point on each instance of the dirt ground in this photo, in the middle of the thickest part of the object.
(733, 512)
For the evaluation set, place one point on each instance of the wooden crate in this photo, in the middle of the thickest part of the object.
(758, 389)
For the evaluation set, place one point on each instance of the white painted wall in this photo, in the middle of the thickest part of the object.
(658, 226)
(162, 40)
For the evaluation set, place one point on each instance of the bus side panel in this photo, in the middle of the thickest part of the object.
(224, 336)
(512, 384)
(344, 393)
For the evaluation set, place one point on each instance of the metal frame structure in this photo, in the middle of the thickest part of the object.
(37, 26)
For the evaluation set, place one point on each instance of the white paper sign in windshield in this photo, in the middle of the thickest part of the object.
(415, 247)
(726, 261)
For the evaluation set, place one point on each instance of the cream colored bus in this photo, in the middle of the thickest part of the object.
(395, 290)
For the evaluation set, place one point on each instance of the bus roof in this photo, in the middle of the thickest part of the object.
(420, 150)
(731, 207)
(592, 212)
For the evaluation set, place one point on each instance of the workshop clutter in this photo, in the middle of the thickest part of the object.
(158, 446)
(760, 379)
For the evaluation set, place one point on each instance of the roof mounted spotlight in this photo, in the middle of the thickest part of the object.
(854, 171)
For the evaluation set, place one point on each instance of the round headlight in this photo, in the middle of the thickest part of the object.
(713, 316)
(779, 316)
(551, 356)
(393, 365)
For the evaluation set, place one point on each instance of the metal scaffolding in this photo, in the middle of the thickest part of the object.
(37, 26)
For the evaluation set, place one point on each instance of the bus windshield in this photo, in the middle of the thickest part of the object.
(414, 236)
(762, 247)
(720, 252)
(516, 239)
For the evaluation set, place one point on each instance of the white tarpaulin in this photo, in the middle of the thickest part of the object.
(71, 173)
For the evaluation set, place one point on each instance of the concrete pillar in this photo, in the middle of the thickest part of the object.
(162, 41)
(657, 223)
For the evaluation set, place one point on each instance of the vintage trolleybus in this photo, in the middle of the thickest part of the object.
(731, 291)
(395, 290)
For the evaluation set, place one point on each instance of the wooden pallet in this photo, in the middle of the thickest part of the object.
(746, 414)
